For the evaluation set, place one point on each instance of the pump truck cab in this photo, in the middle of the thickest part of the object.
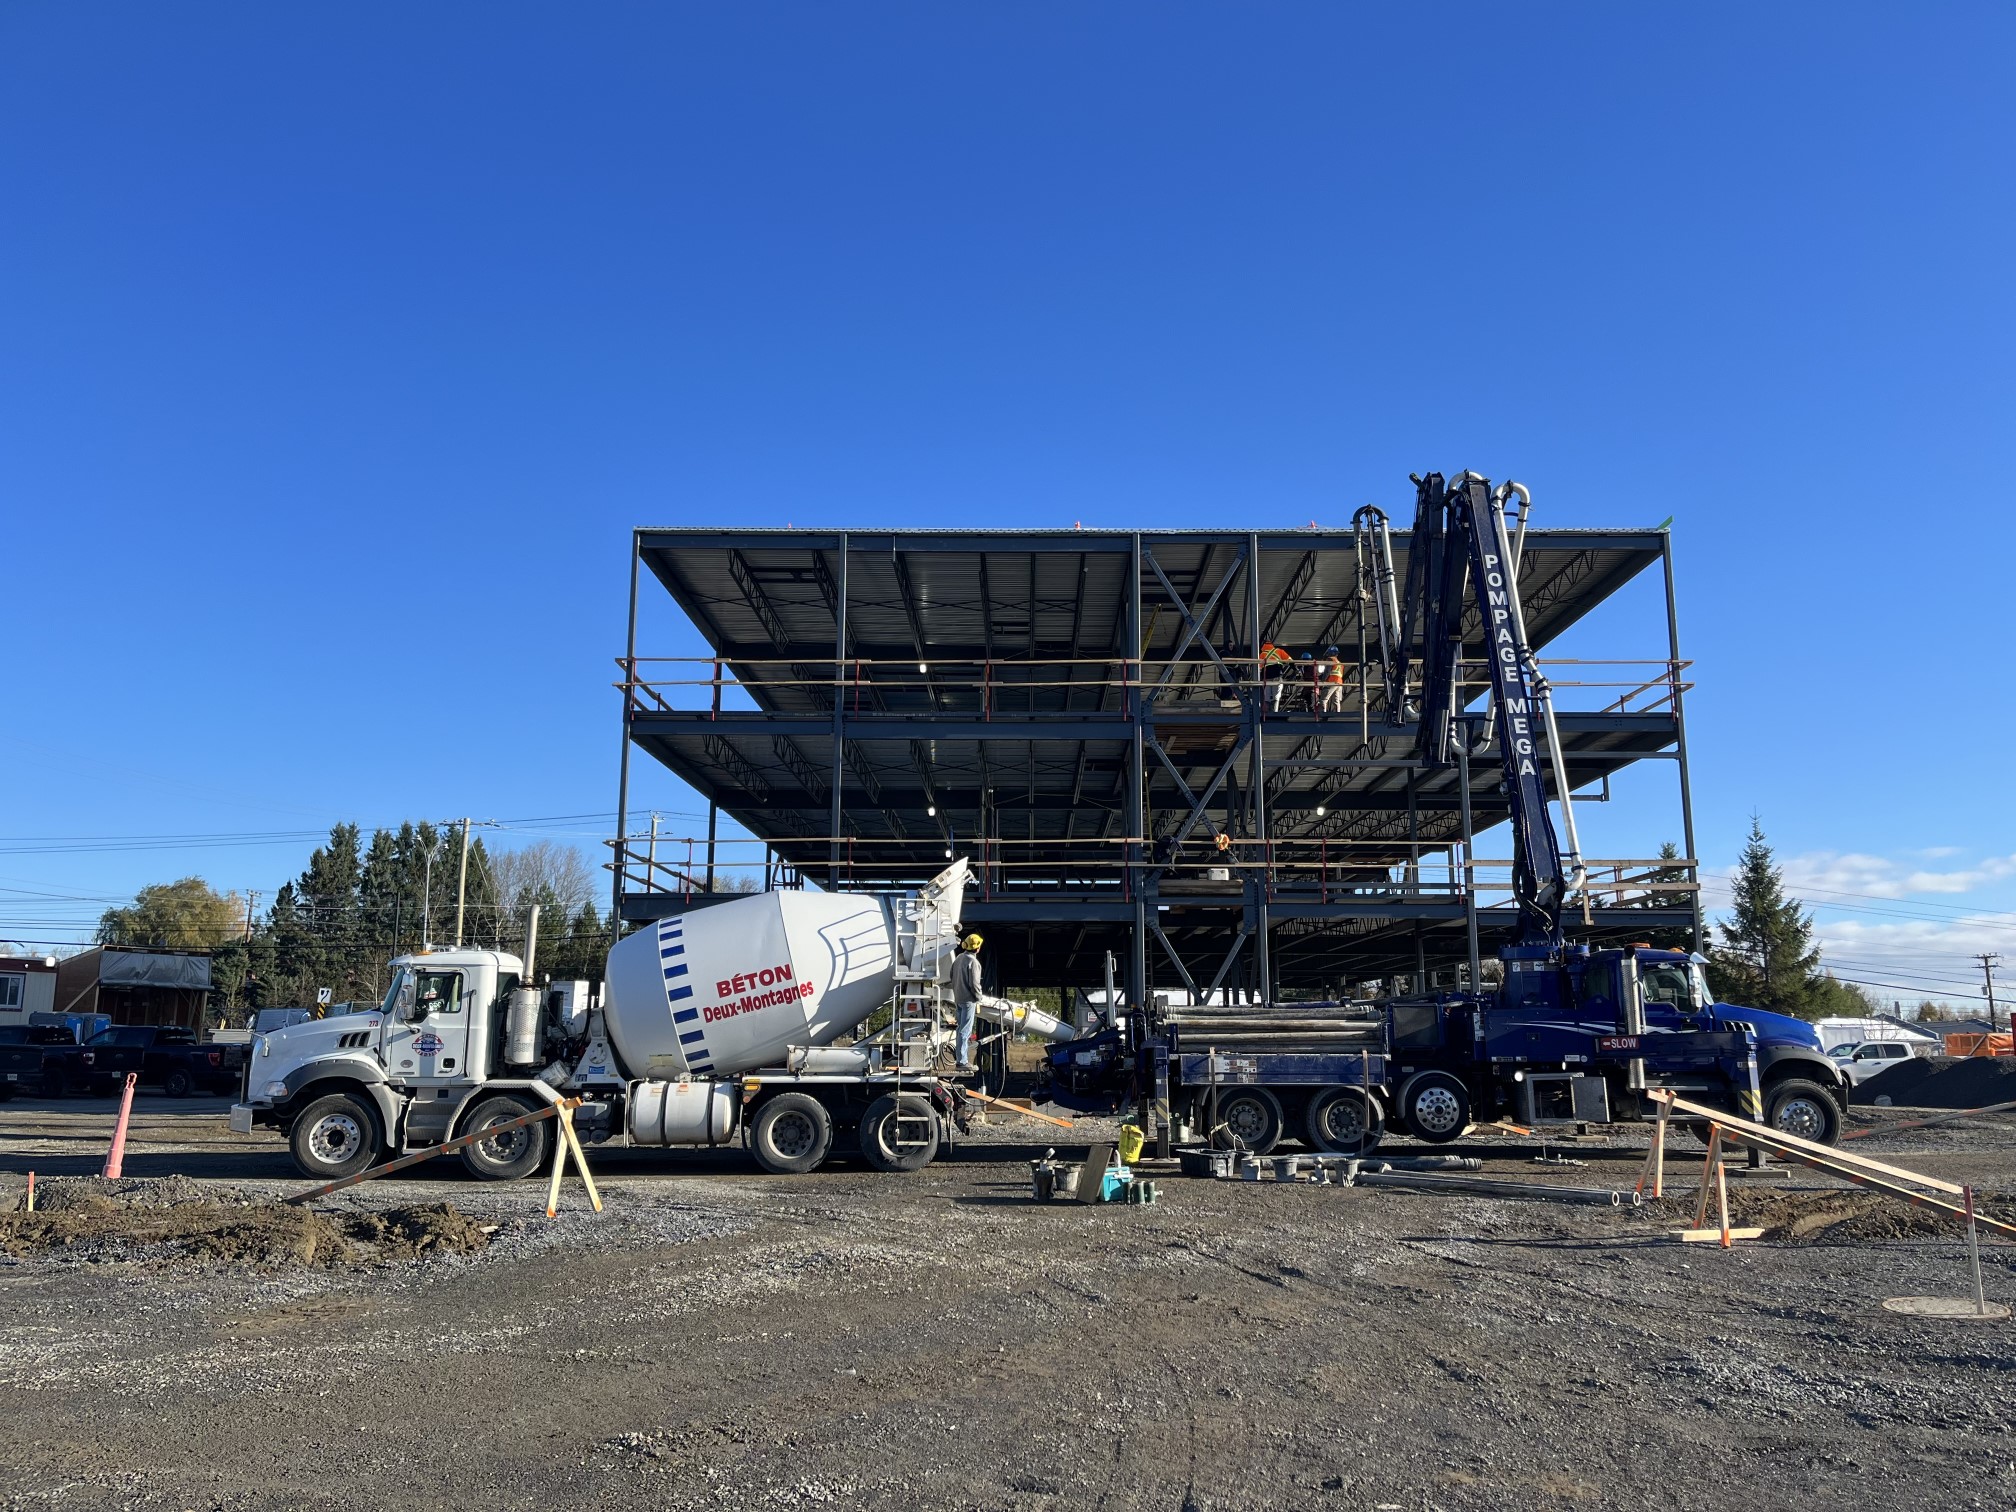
(1574, 1034)
(716, 1025)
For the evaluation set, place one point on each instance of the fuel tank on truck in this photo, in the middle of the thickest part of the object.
(729, 988)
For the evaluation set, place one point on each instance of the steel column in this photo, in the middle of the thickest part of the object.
(1255, 716)
(839, 712)
(623, 769)
(1680, 733)
(1469, 860)
(1138, 876)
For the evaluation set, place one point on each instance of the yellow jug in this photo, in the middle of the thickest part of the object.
(1131, 1141)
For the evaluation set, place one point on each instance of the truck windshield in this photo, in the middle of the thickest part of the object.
(1700, 978)
(392, 993)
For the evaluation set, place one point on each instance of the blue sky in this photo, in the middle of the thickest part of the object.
(344, 345)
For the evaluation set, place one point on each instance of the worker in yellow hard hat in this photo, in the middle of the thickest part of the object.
(966, 995)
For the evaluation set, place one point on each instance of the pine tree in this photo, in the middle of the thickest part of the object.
(1682, 936)
(1764, 956)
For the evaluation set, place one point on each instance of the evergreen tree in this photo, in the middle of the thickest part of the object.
(1763, 955)
(1680, 937)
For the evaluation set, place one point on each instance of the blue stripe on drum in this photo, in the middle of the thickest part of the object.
(685, 1015)
(694, 1037)
(674, 971)
(674, 994)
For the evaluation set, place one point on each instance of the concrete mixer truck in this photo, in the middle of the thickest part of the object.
(715, 1025)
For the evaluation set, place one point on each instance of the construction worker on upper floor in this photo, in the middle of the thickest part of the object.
(1332, 701)
(1274, 669)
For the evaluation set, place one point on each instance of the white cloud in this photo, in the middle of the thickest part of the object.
(1882, 921)
(1855, 873)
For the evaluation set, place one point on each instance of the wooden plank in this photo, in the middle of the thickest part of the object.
(1013, 1107)
(1928, 1123)
(1769, 1137)
(1890, 1189)
(1715, 1235)
(459, 1142)
(580, 1157)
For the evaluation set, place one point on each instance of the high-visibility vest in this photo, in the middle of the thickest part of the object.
(1336, 671)
(1271, 654)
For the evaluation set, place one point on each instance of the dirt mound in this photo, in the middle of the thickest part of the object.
(1834, 1217)
(1943, 1081)
(100, 1222)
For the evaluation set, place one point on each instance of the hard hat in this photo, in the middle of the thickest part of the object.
(971, 942)
(1307, 657)
(1332, 651)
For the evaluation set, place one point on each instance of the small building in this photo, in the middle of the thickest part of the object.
(27, 985)
(168, 987)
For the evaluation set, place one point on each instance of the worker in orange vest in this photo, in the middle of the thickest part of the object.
(1274, 665)
(1333, 683)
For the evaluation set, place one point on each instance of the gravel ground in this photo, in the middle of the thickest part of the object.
(722, 1339)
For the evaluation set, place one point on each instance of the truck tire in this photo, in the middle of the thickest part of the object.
(512, 1155)
(178, 1083)
(335, 1136)
(1435, 1106)
(1344, 1121)
(791, 1134)
(1252, 1116)
(1804, 1109)
(879, 1135)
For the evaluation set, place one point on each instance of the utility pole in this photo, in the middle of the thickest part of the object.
(245, 987)
(462, 885)
(1988, 964)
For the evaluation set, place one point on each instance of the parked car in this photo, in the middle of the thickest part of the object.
(1861, 1061)
(41, 1059)
(172, 1059)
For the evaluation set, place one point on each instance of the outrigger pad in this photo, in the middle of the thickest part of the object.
(1092, 1177)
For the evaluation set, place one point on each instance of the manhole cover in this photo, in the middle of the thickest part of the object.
(1960, 1308)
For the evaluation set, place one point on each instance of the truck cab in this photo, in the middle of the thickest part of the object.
(404, 1076)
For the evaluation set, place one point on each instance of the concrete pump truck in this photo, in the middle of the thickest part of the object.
(1573, 1034)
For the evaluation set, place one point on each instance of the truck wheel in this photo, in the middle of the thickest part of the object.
(1344, 1121)
(178, 1083)
(335, 1136)
(512, 1155)
(1435, 1106)
(1252, 1115)
(882, 1136)
(791, 1134)
(1803, 1109)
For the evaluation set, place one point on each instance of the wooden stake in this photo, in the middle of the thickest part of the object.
(1708, 1169)
(559, 1169)
(1655, 1158)
(580, 1159)
(1721, 1197)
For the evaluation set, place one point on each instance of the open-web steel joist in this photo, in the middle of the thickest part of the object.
(1082, 713)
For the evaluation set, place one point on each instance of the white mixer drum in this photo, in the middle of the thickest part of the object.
(729, 988)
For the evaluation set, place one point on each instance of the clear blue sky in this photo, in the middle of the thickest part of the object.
(344, 345)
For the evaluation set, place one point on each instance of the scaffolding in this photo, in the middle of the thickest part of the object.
(1084, 715)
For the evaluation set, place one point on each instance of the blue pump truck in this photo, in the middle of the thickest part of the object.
(1570, 1035)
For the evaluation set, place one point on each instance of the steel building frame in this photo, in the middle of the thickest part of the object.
(1082, 713)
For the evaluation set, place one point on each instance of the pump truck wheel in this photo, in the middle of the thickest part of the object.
(1344, 1121)
(512, 1155)
(907, 1146)
(1803, 1109)
(335, 1136)
(1435, 1106)
(1252, 1116)
(791, 1134)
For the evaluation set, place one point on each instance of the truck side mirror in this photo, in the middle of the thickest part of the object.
(408, 1007)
